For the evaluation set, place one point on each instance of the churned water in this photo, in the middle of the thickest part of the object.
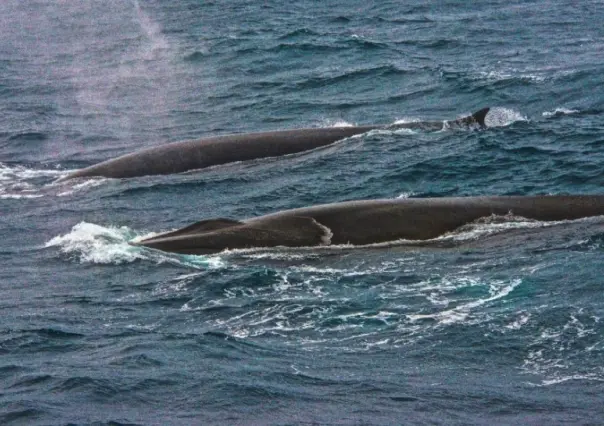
(501, 322)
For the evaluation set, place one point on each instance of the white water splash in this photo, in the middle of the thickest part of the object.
(502, 117)
(336, 123)
(91, 243)
(97, 244)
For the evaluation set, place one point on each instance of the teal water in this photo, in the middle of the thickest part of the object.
(498, 323)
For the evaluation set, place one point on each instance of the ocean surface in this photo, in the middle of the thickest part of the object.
(500, 322)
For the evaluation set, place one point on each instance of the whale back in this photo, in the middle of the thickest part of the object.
(369, 221)
(183, 156)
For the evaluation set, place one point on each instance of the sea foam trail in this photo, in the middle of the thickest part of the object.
(20, 182)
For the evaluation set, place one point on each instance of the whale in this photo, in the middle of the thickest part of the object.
(366, 222)
(179, 157)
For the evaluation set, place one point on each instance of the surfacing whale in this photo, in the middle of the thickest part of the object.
(367, 222)
(183, 156)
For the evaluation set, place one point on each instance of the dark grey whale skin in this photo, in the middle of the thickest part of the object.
(367, 222)
(183, 156)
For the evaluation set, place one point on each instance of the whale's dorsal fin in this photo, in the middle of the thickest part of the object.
(480, 115)
(470, 120)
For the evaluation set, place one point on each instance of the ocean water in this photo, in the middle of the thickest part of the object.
(501, 322)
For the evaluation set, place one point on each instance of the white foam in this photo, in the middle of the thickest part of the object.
(19, 196)
(560, 111)
(502, 117)
(19, 182)
(277, 255)
(81, 186)
(336, 123)
(350, 332)
(405, 195)
(315, 270)
(91, 243)
(561, 353)
(398, 128)
(461, 312)
(511, 75)
(519, 322)
(14, 173)
(557, 380)
(492, 225)
(97, 244)
(406, 120)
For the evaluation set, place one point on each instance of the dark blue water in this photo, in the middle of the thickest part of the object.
(501, 322)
